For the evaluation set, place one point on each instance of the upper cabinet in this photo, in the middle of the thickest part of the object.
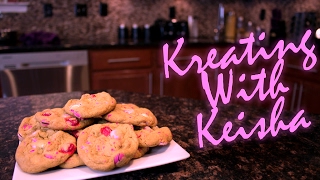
(13, 7)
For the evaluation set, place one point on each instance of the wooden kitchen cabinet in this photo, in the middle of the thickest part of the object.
(186, 86)
(142, 70)
(304, 85)
(121, 69)
(119, 59)
(303, 94)
(310, 97)
(129, 80)
(245, 83)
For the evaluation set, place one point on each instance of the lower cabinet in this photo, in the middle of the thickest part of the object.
(142, 71)
(128, 80)
(310, 97)
(303, 95)
(121, 69)
(187, 86)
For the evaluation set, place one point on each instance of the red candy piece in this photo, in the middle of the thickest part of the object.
(105, 131)
(74, 133)
(92, 95)
(72, 121)
(46, 114)
(71, 149)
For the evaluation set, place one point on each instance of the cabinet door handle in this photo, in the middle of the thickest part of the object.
(150, 83)
(161, 84)
(183, 58)
(300, 68)
(121, 60)
(300, 96)
(293, 96)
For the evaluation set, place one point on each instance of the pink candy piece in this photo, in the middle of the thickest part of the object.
(129, 111)
(20, 137)
(71, 149)
(114, 135)
(26, 126)
(92, 95)
(76, 113)
(118, 158)
(106, 131)
(44, 122)
(72, 121)
(49, 156)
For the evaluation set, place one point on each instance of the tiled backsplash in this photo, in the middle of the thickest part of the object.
(104, 28)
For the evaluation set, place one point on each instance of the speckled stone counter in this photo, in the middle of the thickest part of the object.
(286, 156)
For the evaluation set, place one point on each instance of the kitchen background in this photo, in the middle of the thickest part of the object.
(97, 28)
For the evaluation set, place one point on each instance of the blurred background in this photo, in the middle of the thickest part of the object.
(103, 24)
(62, 46)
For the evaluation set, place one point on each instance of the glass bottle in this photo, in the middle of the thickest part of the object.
(230, 29)
(240, 29)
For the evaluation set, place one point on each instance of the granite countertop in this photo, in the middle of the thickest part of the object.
(286, 156)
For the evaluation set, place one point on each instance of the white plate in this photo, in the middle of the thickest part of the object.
(158, 156)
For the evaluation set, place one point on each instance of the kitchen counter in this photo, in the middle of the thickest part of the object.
(286, 156)
(104, 45)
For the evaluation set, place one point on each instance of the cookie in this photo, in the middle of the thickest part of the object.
(90, 105)
(140, 152)
(131, 114)
(165, 135)
(27, 126)
(72, 162)
(44, 149)
(106, 146)
(58, 119)
(151, 137)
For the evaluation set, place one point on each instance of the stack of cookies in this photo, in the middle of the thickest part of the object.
(94, 131)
